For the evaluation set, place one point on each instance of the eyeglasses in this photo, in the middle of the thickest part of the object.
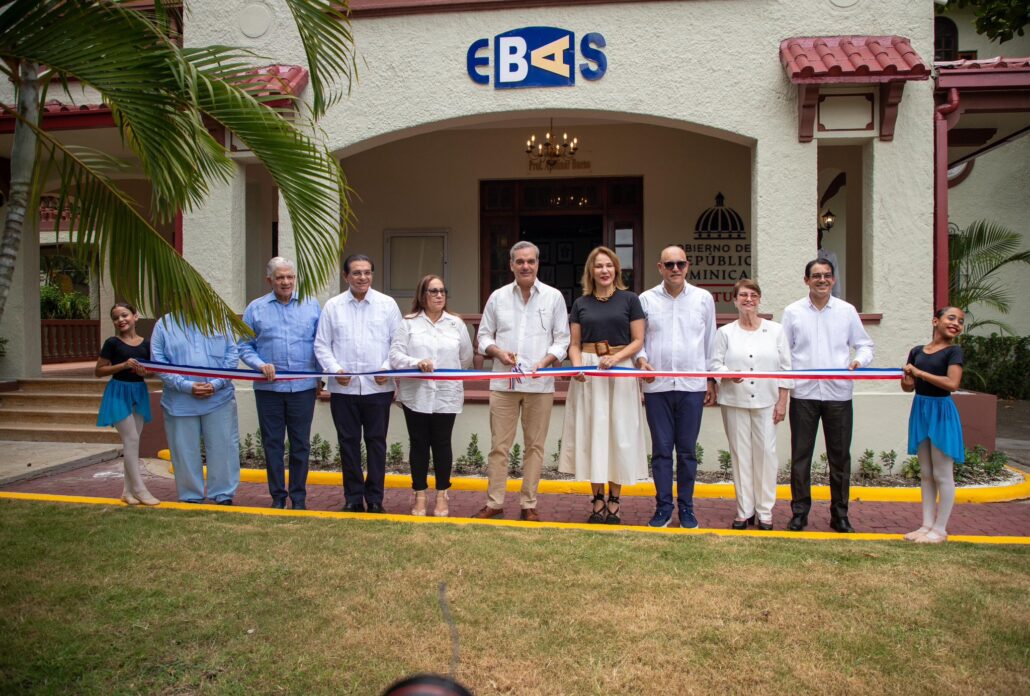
(437, 291)
(669, 265)
(748, 296)
(821, 276)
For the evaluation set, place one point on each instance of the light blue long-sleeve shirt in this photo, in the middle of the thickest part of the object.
(284, 335)
(171, 342)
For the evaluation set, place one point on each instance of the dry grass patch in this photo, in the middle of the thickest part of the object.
(101, 599)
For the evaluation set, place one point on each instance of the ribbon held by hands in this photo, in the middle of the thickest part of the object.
(860, 374)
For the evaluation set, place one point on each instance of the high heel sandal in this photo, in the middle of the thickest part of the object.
(613, 515)
(598, 516)
(418, 507)
(441, 509)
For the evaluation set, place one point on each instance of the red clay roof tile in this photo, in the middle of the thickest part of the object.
(851, 59)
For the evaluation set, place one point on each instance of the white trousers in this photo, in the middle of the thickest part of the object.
(752, 440)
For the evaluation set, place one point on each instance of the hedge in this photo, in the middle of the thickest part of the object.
(998, 365)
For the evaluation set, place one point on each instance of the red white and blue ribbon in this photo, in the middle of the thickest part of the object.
(860, 374)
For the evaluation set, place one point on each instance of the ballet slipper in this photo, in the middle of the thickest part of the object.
(128, 498)
(933, 537)
(145, 497)
(917, 534)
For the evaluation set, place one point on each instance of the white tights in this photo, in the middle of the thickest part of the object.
(130, 428)
(937, 479)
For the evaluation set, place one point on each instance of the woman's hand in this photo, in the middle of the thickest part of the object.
(425, 365)
(779, 412)
(606, 362)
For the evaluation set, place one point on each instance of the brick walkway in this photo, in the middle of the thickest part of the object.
(994, 519)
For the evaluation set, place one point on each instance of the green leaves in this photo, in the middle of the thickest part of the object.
(166, 101)
(975, 255)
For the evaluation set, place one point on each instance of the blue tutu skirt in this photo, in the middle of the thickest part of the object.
(936, 418)
(121, 399)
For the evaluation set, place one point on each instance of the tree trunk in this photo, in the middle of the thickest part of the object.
(23, 166)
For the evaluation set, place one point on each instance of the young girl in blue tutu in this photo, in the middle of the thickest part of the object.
(126, 403)
(934, 371)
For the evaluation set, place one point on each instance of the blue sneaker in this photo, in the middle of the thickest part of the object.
(660, 519)
(688, 521)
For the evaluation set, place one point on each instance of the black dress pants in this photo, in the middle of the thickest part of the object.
(352, 415)
(429, 431)
(837, 418)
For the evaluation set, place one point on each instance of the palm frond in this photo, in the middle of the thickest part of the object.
(976, 254)
(131, 63)
(111, 233)
(309, 178)
(324, 28)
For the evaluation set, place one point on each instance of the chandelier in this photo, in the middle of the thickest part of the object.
(548, 154)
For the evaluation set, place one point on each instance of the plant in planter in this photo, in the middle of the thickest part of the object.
(868, 469)
(515, 460)
(910, 469)
(889, 461)
(725, 463)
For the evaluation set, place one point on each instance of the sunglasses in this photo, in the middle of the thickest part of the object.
(669, 265)
(437, 291)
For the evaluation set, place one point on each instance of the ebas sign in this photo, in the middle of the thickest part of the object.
(537, 57)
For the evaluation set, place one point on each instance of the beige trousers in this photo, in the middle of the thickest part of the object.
(504, 419)
(751, 435)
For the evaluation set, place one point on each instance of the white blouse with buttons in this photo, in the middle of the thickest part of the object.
(762, 350)
(447, 344)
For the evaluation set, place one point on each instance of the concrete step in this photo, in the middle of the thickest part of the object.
(43, 401)
(63, 385)
(38, 433)
(47, 416)
(73, 385)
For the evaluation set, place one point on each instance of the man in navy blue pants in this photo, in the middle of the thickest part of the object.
(284, 337)
(680, 337)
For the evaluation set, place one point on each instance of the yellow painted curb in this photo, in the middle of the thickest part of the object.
(597, 528)
(723, 491)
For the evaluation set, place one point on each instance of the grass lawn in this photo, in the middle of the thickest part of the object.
(105, 600)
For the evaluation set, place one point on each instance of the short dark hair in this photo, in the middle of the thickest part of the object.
(356, 257)
(940, 312)
(821, 261)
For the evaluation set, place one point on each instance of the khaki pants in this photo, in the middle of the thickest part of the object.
(504, 419)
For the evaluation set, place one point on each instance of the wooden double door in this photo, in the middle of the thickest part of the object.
(566, 218)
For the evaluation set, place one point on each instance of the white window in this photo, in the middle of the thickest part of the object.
(410, 255)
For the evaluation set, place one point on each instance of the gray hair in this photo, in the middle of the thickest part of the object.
(278, 262)
(519, 246)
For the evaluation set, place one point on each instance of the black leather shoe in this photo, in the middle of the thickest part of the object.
(354, 507)
(300, 506)
(739, 524)
(376, 508)
(279, 504)
(765, 526)
(797, 523)
(227, 501)
(842, 525)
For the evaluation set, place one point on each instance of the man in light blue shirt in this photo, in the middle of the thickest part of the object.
(284, 339)
(198, 408)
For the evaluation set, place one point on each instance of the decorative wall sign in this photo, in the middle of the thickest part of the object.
(536, 57)
(720, 253)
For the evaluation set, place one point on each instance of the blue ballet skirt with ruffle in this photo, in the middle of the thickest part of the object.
(121, 399)
(936, 417)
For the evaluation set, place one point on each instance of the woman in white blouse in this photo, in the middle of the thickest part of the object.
(751, 408)
(429, 339)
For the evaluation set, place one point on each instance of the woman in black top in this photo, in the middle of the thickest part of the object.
(934, 371)
(126, 403)
(603, 437)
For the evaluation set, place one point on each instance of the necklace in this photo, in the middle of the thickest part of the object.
(605, 298)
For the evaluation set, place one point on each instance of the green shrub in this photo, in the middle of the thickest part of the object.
(515, 460)
(868, 469)
(822, 464)
(395, 455)
(3, 347)
(910, 469)
(997, 365)
(472, 461)
(699, 453)
(889, 460)
(54, 303)
(725, 463)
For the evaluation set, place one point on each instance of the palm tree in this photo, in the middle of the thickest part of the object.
(163, 98)
(975, 255)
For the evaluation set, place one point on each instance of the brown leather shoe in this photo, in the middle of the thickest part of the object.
(529, 515)
(487, 512)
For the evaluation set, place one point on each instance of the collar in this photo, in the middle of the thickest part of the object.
(349, 296)
(662, 290)
(534, 289)
(270, 297)
(829, 303)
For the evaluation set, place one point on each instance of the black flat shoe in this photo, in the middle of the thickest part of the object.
(798, 523)
(613, 515)
(598, 516)
(739, 524)
(765, 526)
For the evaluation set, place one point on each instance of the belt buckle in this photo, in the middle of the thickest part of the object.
(601, 348)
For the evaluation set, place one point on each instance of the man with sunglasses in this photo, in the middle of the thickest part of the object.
(823, 332)
(354, 335)
(680, 337)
